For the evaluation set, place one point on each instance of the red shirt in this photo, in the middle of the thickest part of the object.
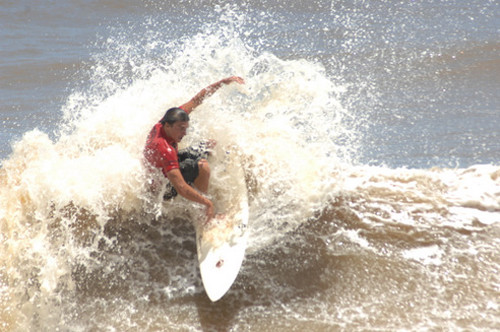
(160, 150)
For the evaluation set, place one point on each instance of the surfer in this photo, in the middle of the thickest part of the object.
(186, 169)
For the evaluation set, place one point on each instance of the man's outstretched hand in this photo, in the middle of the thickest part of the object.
(209, 212)
(231, 79)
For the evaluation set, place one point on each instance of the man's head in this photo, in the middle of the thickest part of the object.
(173, 115)
(175, 123)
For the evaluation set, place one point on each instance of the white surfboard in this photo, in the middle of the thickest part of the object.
(221, 242)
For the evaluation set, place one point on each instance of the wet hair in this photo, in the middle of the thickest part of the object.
(173, 115)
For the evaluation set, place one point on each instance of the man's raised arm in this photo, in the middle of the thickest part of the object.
(208, 91)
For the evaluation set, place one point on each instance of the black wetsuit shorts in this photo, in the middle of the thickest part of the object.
(188, 165)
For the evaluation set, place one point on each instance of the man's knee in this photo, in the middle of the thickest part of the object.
(203, 167)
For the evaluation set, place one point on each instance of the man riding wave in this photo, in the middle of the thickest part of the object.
(186, 169)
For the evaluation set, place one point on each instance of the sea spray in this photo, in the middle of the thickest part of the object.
(75, 208)
(339, 246)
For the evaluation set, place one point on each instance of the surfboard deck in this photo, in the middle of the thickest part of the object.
(221, 242)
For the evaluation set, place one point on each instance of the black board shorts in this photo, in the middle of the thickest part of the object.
(188, 165)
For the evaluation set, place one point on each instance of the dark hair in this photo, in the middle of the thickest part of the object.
(174, 115)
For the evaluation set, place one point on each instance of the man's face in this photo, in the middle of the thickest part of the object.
(177, 130)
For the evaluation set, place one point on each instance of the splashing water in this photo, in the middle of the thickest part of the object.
(60, 199)
(333, 244)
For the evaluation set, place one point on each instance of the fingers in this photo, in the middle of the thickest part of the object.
(239, 80)
(236, 79)
(210, 212)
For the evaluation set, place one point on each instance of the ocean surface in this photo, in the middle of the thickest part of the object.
(371, 139)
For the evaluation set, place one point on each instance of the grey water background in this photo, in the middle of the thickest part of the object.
(422, 77)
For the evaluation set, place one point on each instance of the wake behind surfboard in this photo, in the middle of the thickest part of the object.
(221, 242)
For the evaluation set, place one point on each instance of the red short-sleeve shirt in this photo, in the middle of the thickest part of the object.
(160, 150)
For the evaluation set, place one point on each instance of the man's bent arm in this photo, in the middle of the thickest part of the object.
(177, 180)
(208, 91)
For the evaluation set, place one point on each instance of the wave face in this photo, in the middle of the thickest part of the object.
(349, 130)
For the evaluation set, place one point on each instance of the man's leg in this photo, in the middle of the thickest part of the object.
(201, 182)
(194, 166)
(191, 165)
